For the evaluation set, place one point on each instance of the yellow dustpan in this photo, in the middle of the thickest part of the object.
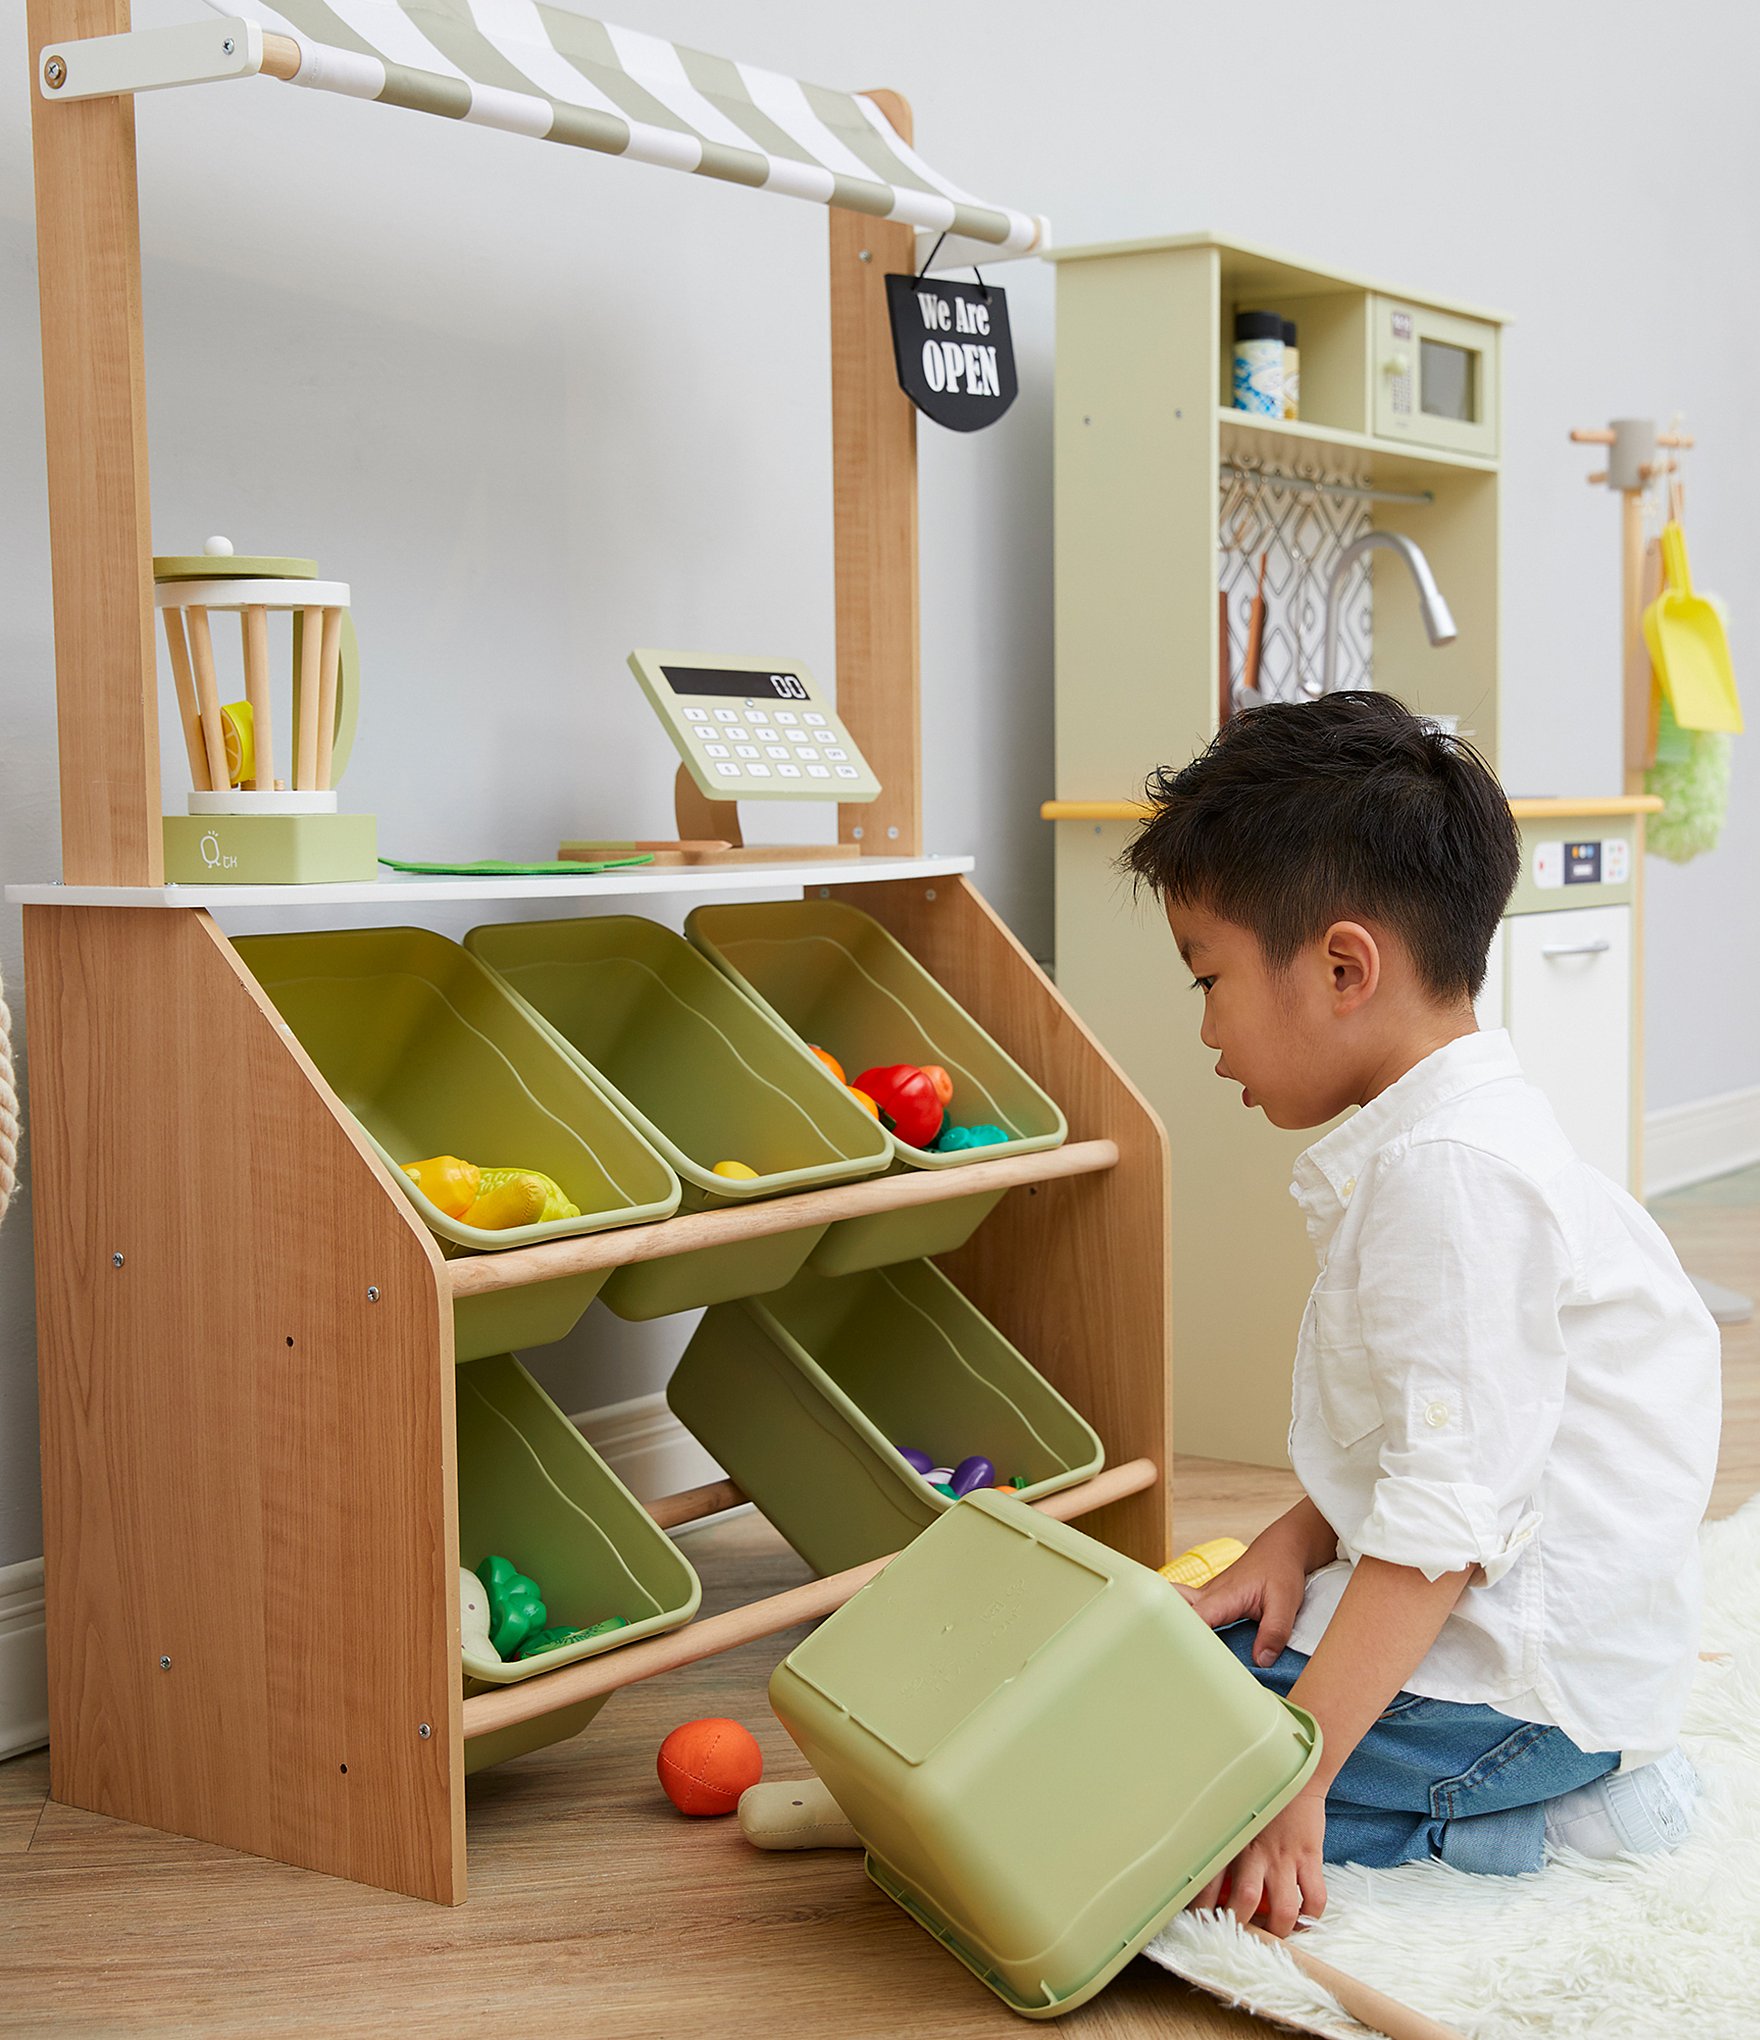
(1688, 647)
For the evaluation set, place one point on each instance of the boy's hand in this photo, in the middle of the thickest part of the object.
(1279, 1872)
(1266, 1581)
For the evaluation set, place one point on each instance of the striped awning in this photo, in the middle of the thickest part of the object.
(540, 69)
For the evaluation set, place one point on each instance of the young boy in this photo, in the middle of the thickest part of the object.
(1506, 1390)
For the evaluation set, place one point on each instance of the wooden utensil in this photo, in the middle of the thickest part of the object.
(1255, 631)
(1224, 681)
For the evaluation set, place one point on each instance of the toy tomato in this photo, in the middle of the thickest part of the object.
(906, 1096)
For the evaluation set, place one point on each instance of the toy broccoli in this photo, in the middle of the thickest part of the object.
(516, 1607)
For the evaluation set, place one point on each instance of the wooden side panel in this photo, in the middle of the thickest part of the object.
(247, 1462)
(874, 507)
(95, 427)
(1076, 1273)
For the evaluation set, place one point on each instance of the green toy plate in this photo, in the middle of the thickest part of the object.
(490, 867)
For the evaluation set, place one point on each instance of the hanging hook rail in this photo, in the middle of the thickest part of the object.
(1360, 492)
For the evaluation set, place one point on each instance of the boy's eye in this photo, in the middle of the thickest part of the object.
(1202, 984)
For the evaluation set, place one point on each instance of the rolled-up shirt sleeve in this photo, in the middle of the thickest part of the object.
(1465, 1356)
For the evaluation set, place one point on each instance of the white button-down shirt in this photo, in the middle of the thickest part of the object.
(1502, 1365)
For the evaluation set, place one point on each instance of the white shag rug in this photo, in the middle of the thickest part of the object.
(1637, 1949)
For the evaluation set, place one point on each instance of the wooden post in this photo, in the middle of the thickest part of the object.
(95, 429)
(874, 463)
(250, 1530)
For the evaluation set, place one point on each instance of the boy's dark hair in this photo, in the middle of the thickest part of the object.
(1300, 814)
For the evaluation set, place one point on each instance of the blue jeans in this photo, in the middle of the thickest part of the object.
(1440, 1778)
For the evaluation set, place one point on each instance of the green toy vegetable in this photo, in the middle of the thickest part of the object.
(516, 1607)
(542, 1640)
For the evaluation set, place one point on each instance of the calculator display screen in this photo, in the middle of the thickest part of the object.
(726, 680)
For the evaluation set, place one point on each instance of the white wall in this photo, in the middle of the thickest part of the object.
(538, 406)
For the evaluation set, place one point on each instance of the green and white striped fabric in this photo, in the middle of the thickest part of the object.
(540, 69)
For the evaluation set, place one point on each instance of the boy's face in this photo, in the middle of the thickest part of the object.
(1277, 1033)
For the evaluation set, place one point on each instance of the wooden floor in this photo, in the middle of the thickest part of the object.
(595, 1910)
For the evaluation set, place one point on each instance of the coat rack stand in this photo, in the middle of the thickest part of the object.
(1634, 466)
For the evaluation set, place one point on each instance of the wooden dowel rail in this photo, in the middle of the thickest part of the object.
(691, 1505)
(483, 1273)
(588, 1678)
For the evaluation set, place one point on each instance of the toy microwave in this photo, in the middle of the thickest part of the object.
(1435, 378)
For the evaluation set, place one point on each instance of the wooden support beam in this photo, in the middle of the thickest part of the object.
(95, 432)
(874, 509)
(624, 1247)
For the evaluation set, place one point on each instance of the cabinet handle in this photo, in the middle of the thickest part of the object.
(1598, 947)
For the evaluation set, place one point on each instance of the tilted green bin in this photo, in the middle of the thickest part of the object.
(805, 1397)
(533, 1491)
(846, 984)
(706, 1077)
(435, 1057)
(1045, 1750)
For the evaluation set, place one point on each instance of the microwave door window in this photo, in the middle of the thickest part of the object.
(1445, 381)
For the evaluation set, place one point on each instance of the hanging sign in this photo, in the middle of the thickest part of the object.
(953, 348)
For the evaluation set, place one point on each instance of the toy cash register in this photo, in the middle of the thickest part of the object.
(746, 729)
(753, 729)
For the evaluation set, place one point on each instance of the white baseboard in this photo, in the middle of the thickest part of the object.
(24, 1668)
(647, 1448)
(1707, 1137)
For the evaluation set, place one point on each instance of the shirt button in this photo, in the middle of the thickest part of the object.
(1436, 1415)
(1350, 1183)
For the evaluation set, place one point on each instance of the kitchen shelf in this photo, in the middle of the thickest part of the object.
(622, 1248)
(1291, 442)
(396, 890)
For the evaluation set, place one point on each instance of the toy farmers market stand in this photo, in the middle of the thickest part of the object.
(248, 1390)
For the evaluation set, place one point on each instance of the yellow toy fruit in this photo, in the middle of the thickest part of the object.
(239, 723)
(862, 1099)
(831, 1063)
(517, 1199)
(511, 1197)
(447, 1182)
(739, 1171)
(1199, 1566)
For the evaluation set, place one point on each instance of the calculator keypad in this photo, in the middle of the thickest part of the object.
(753, 743)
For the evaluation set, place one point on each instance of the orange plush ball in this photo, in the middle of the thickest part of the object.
(706, 1765)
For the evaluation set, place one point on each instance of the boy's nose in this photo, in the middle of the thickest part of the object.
(1207, 1034)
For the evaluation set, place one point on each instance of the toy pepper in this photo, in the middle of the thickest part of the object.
(910, 1105)
(516, 1608)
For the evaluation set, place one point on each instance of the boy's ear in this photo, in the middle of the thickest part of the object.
(1354, 961)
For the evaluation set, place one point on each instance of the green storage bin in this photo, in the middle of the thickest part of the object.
(532, 1490)
(435, 1057)
(703, 1074)
(1045, 1751)
(806, 1396)
(841, 981)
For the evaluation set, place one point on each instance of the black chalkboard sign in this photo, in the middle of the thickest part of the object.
(954, 352)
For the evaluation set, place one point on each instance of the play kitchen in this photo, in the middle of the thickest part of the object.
(1352, 544)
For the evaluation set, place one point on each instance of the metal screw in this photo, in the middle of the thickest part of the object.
(857, 834)
(892, 835)
(372, 1292)
(930, 893)
(164, 1664)
(116, 1260)
(228, 46)
(424, 1731)
(54, 74)
(867, 255)
(824, 892)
